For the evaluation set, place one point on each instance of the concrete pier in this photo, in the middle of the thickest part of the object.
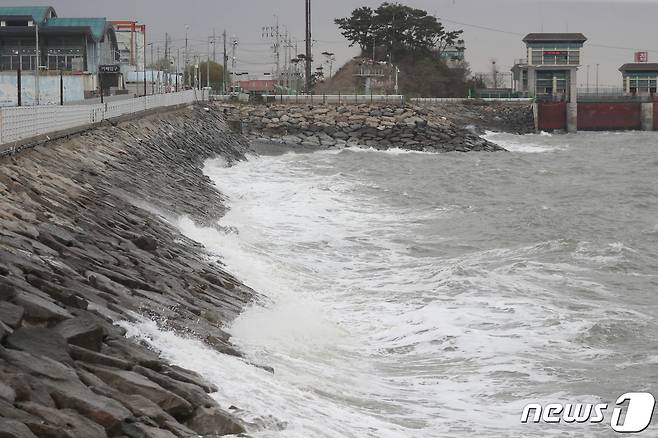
(647, 116)
(572, 117)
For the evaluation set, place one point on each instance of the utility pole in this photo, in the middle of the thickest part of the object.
(330, 58)
(597, 79)
(277, 49)
(273, 34)
(19, 86)
(374, 45)
(397, 72)
(309, 54)
(187, 57)
(286, 53)
(168, 59)
(208, 62)
(214, 47)
(144, 50)
(166, 53)
(152, 80)
(494, 74)
(37, 91)
(225, 64)
(235, 45)
(177, 67)
(197, 72)
(157, 62)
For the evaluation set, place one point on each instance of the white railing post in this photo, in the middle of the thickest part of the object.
(19, 123)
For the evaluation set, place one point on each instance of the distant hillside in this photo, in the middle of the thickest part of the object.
(426, 77)
(343, 81)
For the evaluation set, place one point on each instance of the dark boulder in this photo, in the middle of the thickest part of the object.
(7, 289)
(84, 331)
(140, 406)
(38, 309)
(14, 429)
(37, 365)
(5, 331)
(131, 382)
(190, 392)
(214, 421)
(146, 243)
(69, 423)
(183, 375)
(123, 348)
(7, 393)
(11, 314)
(103, 410)
(93, 357)
(40, 342)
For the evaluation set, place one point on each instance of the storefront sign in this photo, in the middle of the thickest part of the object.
(112, 68)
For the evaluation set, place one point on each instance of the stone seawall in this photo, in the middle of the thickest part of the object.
(88, 238)
(367, 125)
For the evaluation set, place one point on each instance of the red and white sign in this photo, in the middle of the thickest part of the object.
(641, 56)
(257, 85)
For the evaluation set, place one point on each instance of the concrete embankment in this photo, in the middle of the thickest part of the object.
(376, 126)
(87, 238)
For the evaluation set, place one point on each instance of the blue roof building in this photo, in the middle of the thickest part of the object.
(71, 45)
(38, 14)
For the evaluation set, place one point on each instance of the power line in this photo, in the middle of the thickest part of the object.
(492, 29)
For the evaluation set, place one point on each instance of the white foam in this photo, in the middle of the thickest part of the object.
(367, 337)
(529, 143)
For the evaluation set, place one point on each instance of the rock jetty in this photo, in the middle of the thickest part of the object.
(366, 125)
(87, 239)
(481, 116)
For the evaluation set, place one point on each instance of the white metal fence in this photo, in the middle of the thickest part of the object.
(20, 123)
(435, 100)
(337, 99)
(346, 99)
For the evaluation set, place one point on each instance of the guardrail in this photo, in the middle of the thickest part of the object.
(20, 123)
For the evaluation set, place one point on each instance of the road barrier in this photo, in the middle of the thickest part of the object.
(20, 123)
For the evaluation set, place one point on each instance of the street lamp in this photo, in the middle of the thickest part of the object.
(187, 56)
(208, 62)
(152, 80)
(37, 92)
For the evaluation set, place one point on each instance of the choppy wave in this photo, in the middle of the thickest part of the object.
(410, 296)
(532, 143)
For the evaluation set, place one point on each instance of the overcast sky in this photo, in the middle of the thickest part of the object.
(627, 24)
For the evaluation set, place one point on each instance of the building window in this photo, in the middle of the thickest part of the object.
(65, 58)
(8, 62)
(642, 85)
(561, 54)
(17, 23)
(556, 57)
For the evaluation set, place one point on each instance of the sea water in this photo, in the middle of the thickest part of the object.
(435, 295)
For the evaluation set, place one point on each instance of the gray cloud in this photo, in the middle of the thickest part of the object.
(622, 23)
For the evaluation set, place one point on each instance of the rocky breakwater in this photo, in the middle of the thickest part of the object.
(367, 125)
(87, 238)
(481, 116)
